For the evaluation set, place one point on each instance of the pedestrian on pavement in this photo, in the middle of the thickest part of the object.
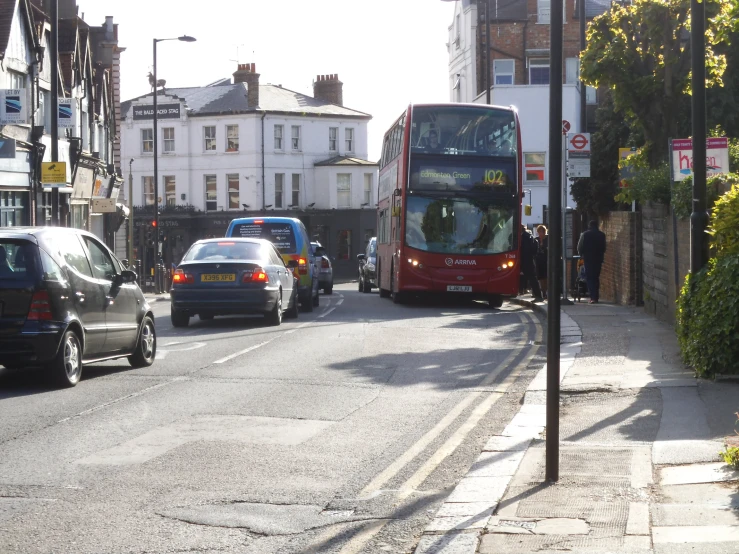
(528, 265)
(592, 248)
(542, 255)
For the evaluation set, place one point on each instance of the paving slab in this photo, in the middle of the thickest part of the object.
(710, 494)
(638, 521)
(458, 509)
(697, 473)
(479, 489)
(696, 534)
(561, 526)
(451, 543)
(676, 515)
(457, 523)
(500, 443)
(492, 464)
(693, 548)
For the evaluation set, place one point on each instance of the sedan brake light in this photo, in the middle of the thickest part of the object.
(258, 275)
(182, 278)
(325, 264)
(40, 309)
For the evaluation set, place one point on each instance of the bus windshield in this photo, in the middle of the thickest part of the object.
(459, 225)
(463, 130)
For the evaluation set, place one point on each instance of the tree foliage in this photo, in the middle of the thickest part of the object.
(641, 52)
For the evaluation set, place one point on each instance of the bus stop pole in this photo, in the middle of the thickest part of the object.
(555, 246)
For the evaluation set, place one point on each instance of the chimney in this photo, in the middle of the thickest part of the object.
(329, 89)
(247, 73)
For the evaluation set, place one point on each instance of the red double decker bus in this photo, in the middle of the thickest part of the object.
(449, 207)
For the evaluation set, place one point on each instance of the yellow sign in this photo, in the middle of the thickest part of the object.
(54, 173)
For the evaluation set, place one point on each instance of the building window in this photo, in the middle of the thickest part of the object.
(147, 183)
(168, 140)
(16, 80)
(211, 193)
(458, 31)
(278, 137)
(11, 209)
(147, 141)
(367, 189)
(542, 11)
(539, 71)
(572, 71)
(345, 245)
(296, 190)
(349, 136)
(232, 138)
(343, 190)
(296, 137)
(170, 190)
(209, 135)
(279, 189)
(233, 191)
(503, 72)
(43, 208)
(333, 133)
(535, 166)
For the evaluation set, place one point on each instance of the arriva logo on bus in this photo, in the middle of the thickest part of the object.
(450, 262)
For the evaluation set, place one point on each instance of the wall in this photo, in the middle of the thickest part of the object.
(621, 275)
(662, 237)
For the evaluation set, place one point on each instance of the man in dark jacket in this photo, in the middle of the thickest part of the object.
(592, 248)
(528, 253)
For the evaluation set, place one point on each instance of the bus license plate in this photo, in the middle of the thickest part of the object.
(218, 277)
(459, 288)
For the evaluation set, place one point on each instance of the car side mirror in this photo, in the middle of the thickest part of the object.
(361, 257)
(125, 276)
(292, 264)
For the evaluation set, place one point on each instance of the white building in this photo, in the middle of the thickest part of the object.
(244, 148)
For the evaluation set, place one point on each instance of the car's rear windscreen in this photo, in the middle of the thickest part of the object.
(17, 260)
(281, 235)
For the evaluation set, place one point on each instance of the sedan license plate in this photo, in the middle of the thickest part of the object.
(217, 277)
(459, 288)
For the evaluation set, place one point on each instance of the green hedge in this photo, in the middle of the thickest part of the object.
(682, 192)
(708, 306)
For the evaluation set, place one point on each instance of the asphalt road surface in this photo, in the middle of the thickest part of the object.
(339, 432)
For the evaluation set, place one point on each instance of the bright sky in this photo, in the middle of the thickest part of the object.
(387, 53)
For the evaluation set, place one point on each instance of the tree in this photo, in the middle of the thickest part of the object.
(641, 52)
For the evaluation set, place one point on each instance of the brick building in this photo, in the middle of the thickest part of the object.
(518, 73)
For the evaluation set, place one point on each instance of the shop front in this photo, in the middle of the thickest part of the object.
(15, 183)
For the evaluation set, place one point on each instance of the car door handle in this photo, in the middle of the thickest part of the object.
(80, 296)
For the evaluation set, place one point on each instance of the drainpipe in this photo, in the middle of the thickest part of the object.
(525, 61)
(264, 192)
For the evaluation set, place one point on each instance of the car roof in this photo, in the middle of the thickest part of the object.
(267, 219)
(34, 233)
(233, 239)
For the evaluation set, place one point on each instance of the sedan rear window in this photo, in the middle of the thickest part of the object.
(224, 250)
(17, 260)
(279, 234)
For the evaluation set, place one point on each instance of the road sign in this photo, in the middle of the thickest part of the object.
(578, 143)
(54, 173)
(578, 167)
(7, 148)
(565, 126)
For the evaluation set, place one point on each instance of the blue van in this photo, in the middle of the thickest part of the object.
(291, 238)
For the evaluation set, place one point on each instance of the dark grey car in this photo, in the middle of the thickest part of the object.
(66, 301)
(368, 267)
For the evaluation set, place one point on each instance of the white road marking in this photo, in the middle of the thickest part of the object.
(241, 352)
(324, 314)
(163, 352)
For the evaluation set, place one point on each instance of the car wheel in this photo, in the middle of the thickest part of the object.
(275, 316)
(366, 287)
(66, 368)
(329, 289)
(306, 304)
(495, 301)
(292, 311)
(205, 317)
(146, 347)
(179, 319)
(360, 285)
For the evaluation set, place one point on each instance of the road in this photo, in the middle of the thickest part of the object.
(341, 431)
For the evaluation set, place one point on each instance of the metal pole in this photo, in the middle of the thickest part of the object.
(583, 87)
(487, 51)
(156, 176)
(130, 214)
(699, 217)
(54, 54)
(555, 245)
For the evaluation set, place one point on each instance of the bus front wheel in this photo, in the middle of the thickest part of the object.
(384, 293)
(495, 300)
(397, 297)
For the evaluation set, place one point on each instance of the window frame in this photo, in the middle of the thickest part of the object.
(166, 181)
(539, 63)
(232, 178)
(349, 139)
(279, 200)
(211, 146)
(230, 139)
(145, 141)
(341, 192)
(368, 180)
(279, 144)
(293, 190)
(208, 180)
(295, 138)
(333, 139)
(511, 74)
(148, 179)
(165, 140)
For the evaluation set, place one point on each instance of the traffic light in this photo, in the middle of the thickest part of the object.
(150, 233)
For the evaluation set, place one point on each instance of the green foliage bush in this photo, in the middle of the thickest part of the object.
(648, 184)
(708, 306)
(682, 192)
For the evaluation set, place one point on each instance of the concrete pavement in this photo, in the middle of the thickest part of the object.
(639, 465)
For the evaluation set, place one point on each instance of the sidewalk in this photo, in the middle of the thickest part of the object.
(639, 465)
(152, 297)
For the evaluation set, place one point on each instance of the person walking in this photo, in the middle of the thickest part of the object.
(592, 248)
(542, 254)
(528, 267)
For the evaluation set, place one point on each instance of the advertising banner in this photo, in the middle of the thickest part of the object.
(14, 107)
(717, 157)
(67, 111)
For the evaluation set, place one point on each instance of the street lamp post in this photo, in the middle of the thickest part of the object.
(130, 214)
(183, 38)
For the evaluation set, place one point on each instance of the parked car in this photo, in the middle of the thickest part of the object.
(290, 237)
(325, 269)
(367, 267)
(233, 276)
(67, 301)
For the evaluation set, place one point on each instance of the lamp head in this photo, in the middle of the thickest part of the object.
(186, 38)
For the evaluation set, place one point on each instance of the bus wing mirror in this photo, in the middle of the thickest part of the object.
(396, 192)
